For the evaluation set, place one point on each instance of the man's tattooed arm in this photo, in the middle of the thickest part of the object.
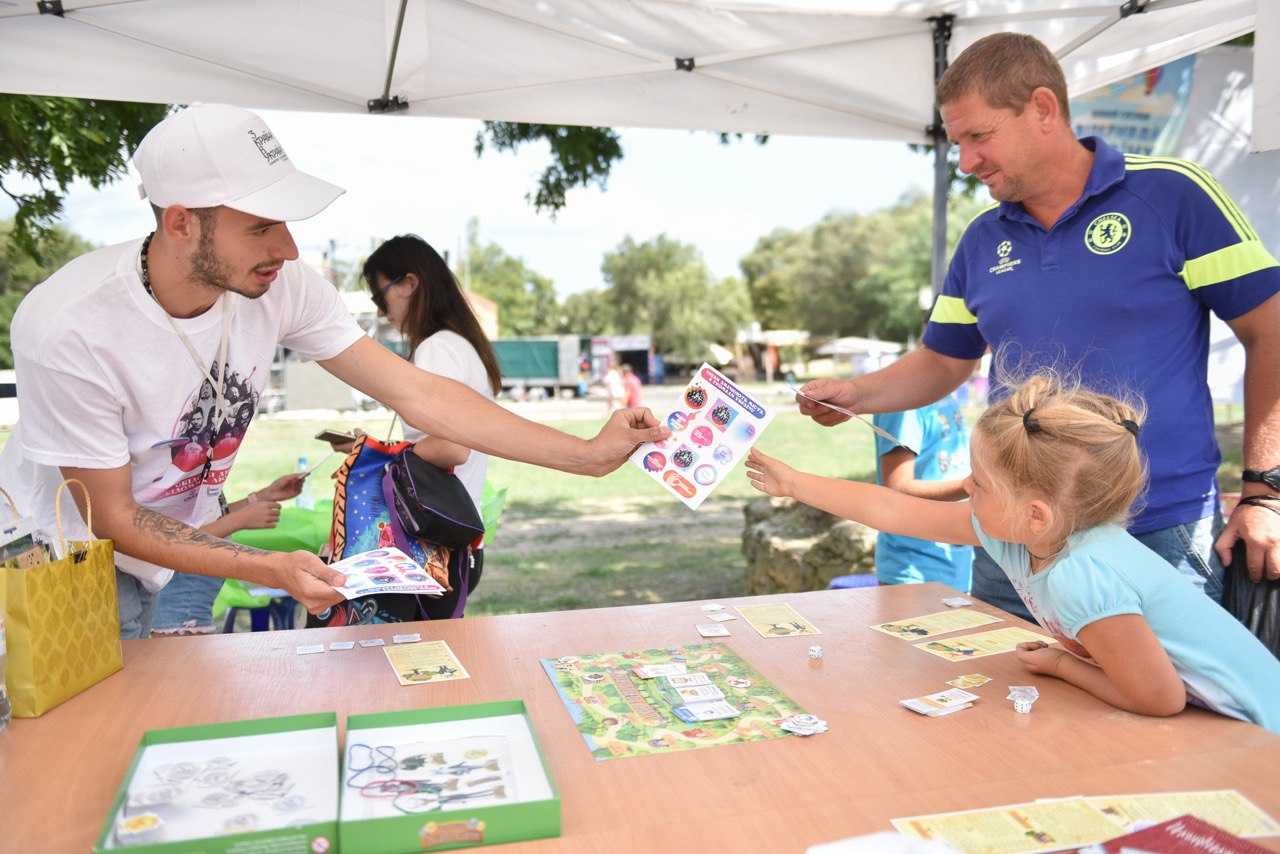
(172, 531)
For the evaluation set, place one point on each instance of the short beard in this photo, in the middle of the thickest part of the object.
(206, 267)
(1013, 191)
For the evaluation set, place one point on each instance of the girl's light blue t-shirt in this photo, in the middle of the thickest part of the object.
(1104, 571)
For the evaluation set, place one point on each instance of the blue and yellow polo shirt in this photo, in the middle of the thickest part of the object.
(1119, 291)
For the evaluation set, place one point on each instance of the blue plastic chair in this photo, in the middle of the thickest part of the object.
(848, 582)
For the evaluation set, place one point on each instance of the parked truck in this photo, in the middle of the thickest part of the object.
(555, 363)
(552, 363)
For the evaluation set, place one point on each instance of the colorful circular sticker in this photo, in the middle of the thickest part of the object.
(705, 475)
(379, 553)
(415, 576)
(683, 458)
(722, 414)
(382, 579)
(747, 430)
(679, 485)
(722, 455)
(377, 570)
(677, 421)
(696, 397)
(654, 461)
(701, 436)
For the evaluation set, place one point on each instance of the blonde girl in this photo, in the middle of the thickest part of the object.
(1056, 472)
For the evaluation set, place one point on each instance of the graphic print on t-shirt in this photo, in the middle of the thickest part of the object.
(204, 443)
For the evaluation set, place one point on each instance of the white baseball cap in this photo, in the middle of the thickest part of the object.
(213, 154)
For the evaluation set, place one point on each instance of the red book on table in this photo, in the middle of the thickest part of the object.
(1183, 835)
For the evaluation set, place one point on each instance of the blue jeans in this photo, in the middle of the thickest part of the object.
(1188, 548)
(135, 604)
(185, 605)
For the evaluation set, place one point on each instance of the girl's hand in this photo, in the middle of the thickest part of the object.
(770, 476)
(345, 447)
(1039, 657)
(259, 514)
(282, 488)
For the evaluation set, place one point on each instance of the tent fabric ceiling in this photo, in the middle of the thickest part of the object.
(862, 68)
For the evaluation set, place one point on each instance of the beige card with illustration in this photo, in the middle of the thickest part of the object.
(777, 621)
(994, 642)
(419, 663)
(940, 623)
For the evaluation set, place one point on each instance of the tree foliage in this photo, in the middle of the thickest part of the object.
(580, 156)
(20, 271)
(46, 143)
(849, 274)
(526, 299)
(662, 288)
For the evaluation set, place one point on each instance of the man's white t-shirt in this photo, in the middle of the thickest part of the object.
(450, 355)
(105, 381)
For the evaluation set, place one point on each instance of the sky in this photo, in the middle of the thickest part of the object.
(421, 175)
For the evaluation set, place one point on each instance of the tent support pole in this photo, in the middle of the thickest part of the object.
(386, 103)
(941, 174)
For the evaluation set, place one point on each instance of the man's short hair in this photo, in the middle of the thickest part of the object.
(1005, 68)
(208, 216)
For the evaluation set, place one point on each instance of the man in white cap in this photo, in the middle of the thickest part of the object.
(140, 366)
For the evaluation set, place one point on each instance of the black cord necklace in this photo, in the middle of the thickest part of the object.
(146, 273)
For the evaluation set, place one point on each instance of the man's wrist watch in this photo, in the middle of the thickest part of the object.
(1270, 477)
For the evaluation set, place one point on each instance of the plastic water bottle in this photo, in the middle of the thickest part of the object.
(6, 710)
(304, 500)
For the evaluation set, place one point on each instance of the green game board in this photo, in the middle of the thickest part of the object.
(619, 714)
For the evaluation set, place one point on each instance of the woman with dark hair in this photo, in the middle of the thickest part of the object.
(415, 290)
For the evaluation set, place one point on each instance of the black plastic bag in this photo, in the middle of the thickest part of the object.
(1256, 604)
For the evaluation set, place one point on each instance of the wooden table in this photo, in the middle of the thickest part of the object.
(59, 773)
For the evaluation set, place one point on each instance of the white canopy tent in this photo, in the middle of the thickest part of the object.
(859, 68)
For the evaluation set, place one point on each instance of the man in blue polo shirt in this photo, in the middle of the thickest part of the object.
(1104, 266)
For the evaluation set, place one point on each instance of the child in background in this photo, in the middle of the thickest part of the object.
(930, 460)
(1056, 471)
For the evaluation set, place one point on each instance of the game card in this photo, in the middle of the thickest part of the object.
(712, 630)
(940, 623)
(970, 680)
(653, 671)
(386, 570)
(713, 426)
(777, 621)
(1226, 808)
(715, 710)
(941, 703)
(418, 663)
(994, 642)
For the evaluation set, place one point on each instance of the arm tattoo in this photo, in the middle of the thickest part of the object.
(172, 531)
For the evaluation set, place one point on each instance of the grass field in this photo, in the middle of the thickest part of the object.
(575, 542)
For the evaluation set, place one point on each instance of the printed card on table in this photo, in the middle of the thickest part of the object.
(419, 663)
(713, 427)
(915, 628)
(777, 621)
(387, 570)
(994, 642)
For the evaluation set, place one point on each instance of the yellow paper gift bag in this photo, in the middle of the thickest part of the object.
(62, 625)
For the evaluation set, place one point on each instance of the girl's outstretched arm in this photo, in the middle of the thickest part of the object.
(874, 506)
(1132, 672)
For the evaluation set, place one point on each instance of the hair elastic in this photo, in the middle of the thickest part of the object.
(1032, 426)
(1130, 425)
